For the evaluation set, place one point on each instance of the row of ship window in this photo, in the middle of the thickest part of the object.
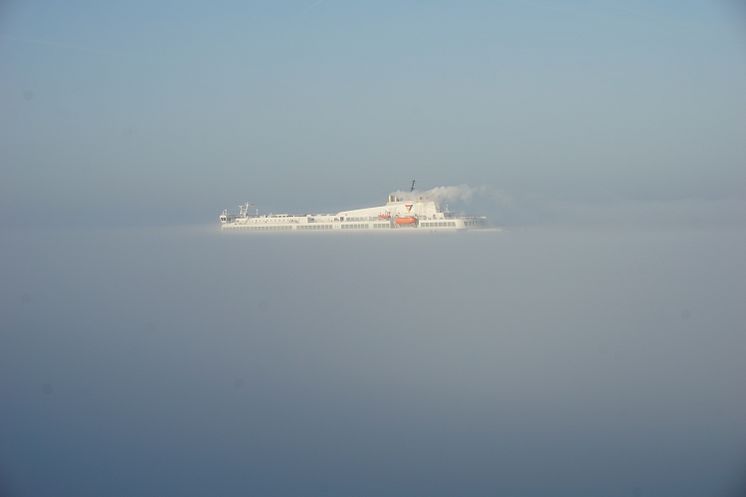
(268, 228)
(440, 224)
(358, 218)
(315, 227)
(364, 226)
(355, 226)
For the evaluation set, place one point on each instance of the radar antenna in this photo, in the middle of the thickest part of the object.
(411, 188)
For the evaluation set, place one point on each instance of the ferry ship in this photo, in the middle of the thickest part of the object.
(403, 211)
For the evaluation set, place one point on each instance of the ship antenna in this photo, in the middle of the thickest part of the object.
(411, 188)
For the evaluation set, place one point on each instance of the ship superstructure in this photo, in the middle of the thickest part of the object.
(407, 211)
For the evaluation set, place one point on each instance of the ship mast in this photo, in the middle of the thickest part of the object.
(244, 209)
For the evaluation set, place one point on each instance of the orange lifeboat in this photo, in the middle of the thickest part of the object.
(406, 220)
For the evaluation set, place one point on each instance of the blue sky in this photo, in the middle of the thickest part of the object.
(178, 109)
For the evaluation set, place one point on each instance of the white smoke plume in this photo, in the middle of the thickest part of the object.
(457, 194)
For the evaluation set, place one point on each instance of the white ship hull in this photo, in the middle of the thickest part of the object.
(412, 214)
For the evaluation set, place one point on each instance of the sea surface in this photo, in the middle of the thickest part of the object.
(182, 361)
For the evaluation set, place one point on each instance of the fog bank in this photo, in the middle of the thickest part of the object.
(183, 361)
